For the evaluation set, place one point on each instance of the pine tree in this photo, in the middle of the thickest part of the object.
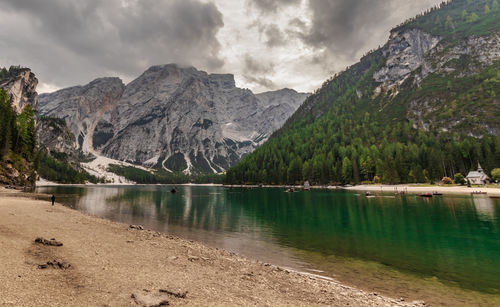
(495, 6)
(449, 25)
(346, 170)
(464, 15)
(472, 18)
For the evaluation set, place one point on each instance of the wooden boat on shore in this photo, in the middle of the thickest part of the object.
(369, 195)
(478, 193)
(428, 195)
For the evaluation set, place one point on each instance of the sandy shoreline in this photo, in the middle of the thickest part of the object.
(114, 265)
(392, 188)
(425, 189)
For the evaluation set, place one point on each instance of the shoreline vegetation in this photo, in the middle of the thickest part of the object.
(97, 261)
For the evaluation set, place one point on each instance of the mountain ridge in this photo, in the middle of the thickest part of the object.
(193, 121)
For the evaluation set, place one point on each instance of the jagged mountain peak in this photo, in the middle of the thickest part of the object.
(173, 117)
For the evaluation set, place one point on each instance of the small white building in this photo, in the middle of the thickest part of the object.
(478, 177)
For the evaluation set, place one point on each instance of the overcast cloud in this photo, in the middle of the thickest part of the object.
(267, 44)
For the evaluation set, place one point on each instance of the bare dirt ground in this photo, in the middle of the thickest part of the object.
(102, 263)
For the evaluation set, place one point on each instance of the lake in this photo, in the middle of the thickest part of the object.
(444, 250)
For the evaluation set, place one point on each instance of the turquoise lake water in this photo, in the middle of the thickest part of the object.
(387, 243)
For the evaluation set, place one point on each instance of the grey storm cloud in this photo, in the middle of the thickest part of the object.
(271, 6)
(255, 72)
(254, 66)
(275, 37)
(82, 39)
(338, 32)
(345, 29)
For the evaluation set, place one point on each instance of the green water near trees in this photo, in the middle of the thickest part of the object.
(454, 239)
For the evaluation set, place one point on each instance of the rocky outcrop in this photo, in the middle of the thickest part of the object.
(278, 106)
(413, 55)
(20, 84)
(58, 140)
(410, 50)
(83, 107)
(171, 117)
(17, 166)
(455, 60)
(479, 51)
(404, 52)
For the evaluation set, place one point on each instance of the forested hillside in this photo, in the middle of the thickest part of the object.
(424, 106)
(18, 160)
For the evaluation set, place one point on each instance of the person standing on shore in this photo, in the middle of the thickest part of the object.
(53, 198)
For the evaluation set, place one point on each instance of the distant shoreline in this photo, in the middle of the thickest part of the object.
(408, 188)
(425, 189)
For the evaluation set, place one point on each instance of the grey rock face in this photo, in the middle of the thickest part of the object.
(54, 135)
(405, 53)
(278, 106)
(176, 118)
(83, 107)
(445, 59)
(20, 84)
(21, 87)
(483, 51)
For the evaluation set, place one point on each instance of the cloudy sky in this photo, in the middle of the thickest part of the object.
(266, 44)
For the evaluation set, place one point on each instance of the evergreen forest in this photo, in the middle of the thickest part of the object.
(18, 154)
(344, 133)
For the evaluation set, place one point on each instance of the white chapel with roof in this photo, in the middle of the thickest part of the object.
(478, 177)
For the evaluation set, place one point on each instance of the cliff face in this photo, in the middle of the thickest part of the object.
(175, 118)
(58, 139)
(82, 107)
(404, 52)
(458, 62)
(21, 87)
(17, 129)
(278, 106)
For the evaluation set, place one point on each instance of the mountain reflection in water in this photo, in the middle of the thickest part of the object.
(454, 238)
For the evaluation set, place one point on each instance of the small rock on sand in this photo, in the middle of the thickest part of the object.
(193, 258)
(51, 242)
(55, 264)
(150, 299)
(138, 227)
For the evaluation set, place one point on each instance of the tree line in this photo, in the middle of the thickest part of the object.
(17, 141)
(345, 133)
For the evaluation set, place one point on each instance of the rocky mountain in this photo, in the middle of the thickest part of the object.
(171, 117)
(423, 106)
(20, 84)
(18, 102)
(82, 107)
(58, 140)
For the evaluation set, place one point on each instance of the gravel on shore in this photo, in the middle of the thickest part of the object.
(103, 263)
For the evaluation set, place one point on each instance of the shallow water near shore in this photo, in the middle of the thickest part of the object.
(443, 250)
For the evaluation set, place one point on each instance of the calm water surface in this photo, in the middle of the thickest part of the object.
(445, 249)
